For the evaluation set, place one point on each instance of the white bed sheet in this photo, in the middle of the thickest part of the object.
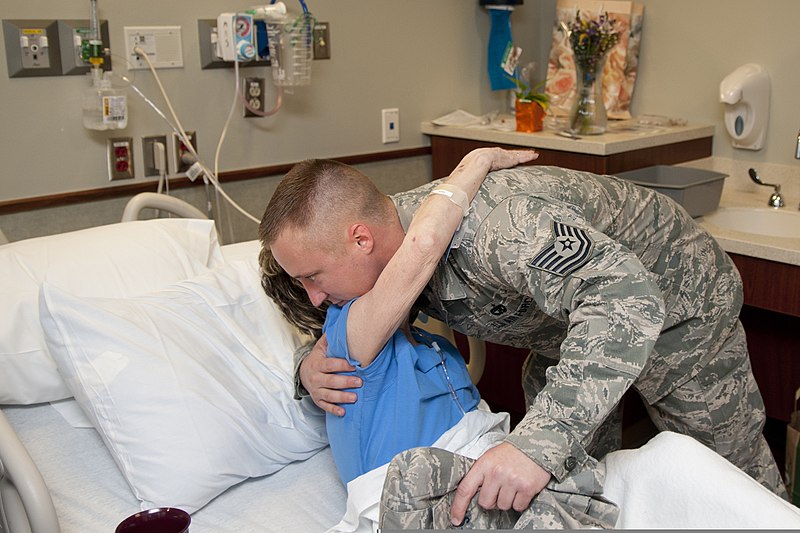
(672, 482)
(303, 497)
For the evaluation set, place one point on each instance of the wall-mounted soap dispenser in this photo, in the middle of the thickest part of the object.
(745, 93)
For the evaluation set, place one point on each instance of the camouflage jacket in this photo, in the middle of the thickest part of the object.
(613, 281)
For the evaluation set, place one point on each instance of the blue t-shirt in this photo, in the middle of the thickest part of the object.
(405, 400)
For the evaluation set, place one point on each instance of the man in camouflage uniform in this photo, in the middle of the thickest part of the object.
(611, 286)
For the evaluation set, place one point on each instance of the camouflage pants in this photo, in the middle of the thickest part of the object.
(720, 407)
(421, 482)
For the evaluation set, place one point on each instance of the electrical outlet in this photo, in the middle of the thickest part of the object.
(254, 94)
(322, 40)
(390, 120)
(120, 158)
(150, 158)
(181, 149)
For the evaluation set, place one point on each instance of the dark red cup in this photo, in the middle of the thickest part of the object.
(160, 520)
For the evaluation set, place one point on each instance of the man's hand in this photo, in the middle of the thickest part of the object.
(506, 477)
(317, 374)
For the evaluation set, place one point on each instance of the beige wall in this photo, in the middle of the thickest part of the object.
(426, 57)
(691, 45)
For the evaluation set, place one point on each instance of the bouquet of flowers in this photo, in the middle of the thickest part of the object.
(591, 39)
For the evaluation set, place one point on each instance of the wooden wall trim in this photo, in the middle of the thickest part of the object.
(130, 189)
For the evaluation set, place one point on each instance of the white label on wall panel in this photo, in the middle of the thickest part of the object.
(162, 44)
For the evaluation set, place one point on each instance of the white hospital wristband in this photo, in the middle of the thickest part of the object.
(455, 194)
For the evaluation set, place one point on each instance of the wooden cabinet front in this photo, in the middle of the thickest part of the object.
(448, 151)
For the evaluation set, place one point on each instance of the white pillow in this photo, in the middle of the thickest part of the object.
(115, 260)
(190, 387)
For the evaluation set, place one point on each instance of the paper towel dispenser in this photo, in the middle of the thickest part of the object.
(745, 94)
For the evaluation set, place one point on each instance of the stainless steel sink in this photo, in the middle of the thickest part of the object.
(757, 221)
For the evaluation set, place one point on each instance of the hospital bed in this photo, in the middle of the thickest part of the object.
(141, 365)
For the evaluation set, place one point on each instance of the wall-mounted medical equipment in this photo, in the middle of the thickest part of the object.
(745, 92)
(273, 33)
(104, 107)
(38, 48)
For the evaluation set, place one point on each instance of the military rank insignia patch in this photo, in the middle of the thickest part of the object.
(570, 249)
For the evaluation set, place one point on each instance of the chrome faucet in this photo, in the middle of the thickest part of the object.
(775, 199)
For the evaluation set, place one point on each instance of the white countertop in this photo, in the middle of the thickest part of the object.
(623, 136)
(629, 135)
(780, 249)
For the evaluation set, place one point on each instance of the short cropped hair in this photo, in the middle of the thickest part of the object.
(318, 193)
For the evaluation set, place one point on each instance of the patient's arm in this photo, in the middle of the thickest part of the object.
(375, 316)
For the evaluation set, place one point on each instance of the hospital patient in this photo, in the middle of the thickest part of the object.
(415, 385)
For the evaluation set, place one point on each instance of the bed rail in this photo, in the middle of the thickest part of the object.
(151, 200)
(25, 503)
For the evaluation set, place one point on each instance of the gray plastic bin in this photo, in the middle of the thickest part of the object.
(697, 190)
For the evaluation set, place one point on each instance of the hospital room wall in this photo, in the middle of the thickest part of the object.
(425, 58)
(690, 46)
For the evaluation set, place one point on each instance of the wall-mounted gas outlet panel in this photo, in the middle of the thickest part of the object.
(32, 48)
(50, 47)
(72, 38)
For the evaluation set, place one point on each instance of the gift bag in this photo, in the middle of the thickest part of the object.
(619, 74)
(793, 453)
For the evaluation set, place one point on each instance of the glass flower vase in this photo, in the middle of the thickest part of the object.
(588, 113)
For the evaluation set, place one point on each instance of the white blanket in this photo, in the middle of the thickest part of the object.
(674, 482)
(671, 482)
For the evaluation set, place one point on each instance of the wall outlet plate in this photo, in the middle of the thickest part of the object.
(390, 125)
(180, 149)
(322, 40)
(149, 155)
(254, 92)
(120, 158)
